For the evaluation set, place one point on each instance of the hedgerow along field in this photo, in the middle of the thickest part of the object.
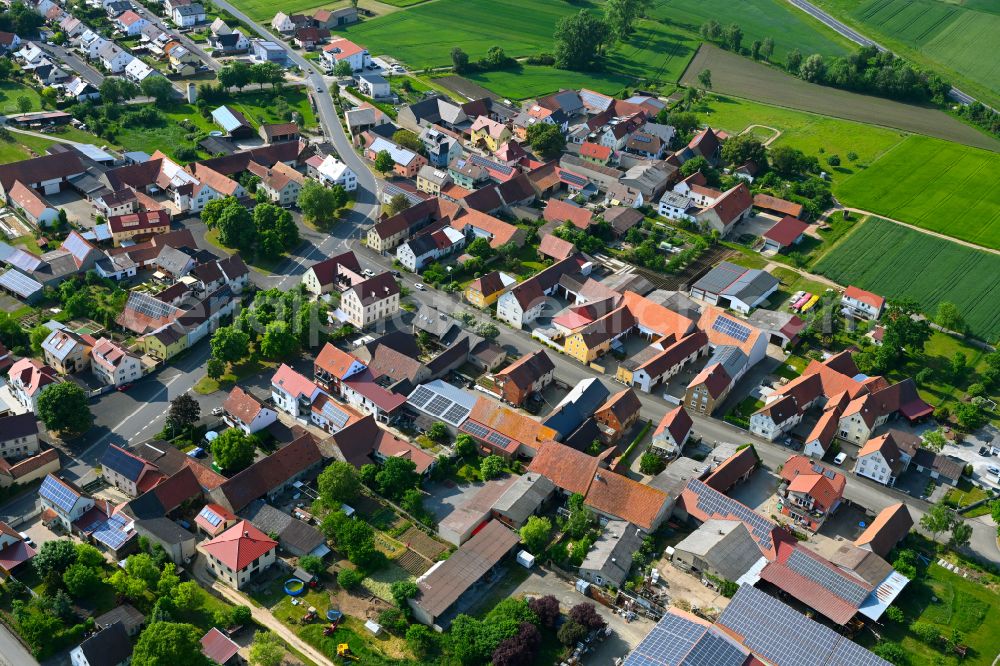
(897, 262)
(956, 38)
(735, 75)
(938, 185)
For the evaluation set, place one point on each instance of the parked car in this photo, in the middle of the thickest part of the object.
(418, 286)
(368, 272)
(26, 539)
(124, 387)
(995, 471)
(983, 451)
(217, 411)
(841, 457)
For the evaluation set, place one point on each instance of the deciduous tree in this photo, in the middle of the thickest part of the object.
(338, 483)
(184, 412)
(579, 41)
(546, 140)
(491, 467)
(64, 408)
(384, 162)
(233, 450)
(535, 534)
(320, 204)
(266, 649)
(169, 643)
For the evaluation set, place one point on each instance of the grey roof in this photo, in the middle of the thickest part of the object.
(581, 402)
(108, 647)
(61, 342)
(172, 259)
(772, 320)
(523, 497)
(721, 276)
(676, 301)
(165, 530)
(752, 285)
(732, 358)
(725, 545)
(434, 321)
(675, 477)
(127, 614)
(292, 532)
(611, 554)
(675, 199)
(190, 10)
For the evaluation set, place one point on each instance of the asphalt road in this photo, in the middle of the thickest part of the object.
(190, 44)
(858, 38)
(12, 653)
(74, 62)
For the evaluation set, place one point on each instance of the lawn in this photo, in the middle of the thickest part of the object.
(808, 132)
(943, 389)
(955, 38)
(897, 262)
(791, 282)
(787, 26)
(742, 77)
(950, 602)
(536, 80)
(263, 11)
(937, 185)
(10, 91)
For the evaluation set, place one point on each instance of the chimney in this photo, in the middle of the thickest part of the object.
(246, 533)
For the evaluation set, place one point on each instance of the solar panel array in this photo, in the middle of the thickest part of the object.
(783, 636)
(845, 588)
(57, 494)
(572, 178)
(476, 429)
(76, 246)
(210, 516)
(715, 503)
(438, 405)
(150, 307)
(112, 532)
(819, 469)
(128, 466)
(667, 644)
(714, 650)
(487, 163)
(731, 328)
(497, 439)
(19, 283)
(24, 260)
(337, 417)
(641, 138)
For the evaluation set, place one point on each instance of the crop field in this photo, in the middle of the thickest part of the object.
(941, 186)
(423, 36)
(736, 75)
(808, 132)
(787, 26)
(897, 262)
(956, 38)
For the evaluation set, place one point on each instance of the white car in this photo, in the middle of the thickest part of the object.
(418, 286)
(368, 272)
(217, 411)
(26, 539)
(993, 470)
(841, 457)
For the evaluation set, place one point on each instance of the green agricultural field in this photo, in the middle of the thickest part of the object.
(536, 80)
(941, 186)
(898, 262)
(808, 132)
(423, 36)
(787, 26)
(9, 93)
(956, 38)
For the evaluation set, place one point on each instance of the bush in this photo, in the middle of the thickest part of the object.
(393, 620)
(349, 578)
(571, 633)
(650, 463)
(927, 633)
(895, 614)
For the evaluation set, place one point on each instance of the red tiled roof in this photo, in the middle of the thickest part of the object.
(768, 202)
(889, 526)
(786, 231)
(292, 382)
(866, 297)
(595, 150)
(620, 496)
(218, 647)
(569, 469)
(804, 475)
(560, 211)
(15, 554)
(242, 405)
(342, 48)
(715, 378)
(334, 360)
(240, 545)
(555, 247)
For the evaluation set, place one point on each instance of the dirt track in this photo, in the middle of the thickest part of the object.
(736, 75)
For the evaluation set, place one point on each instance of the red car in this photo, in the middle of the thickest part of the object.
(124, 387)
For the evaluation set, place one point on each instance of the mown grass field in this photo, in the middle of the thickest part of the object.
(536, 80)
(735, 75)
(941, 186)
(788, 27)
(808, 132)
(956, 38)
(896, 262)
(10, 91)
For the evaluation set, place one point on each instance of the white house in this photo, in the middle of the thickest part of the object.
(239, 554)
(80, 89)
(283, 23)
(293, 393)
(672, 433)
(27, 379)
(130, 23)
(113, 364)
(374, 85)
(861, 303)
(241, 410)
(34, 207)
(334, 172)
(138, 71)
(110, 646)
(113, 57)
(66, 502)
(185, 16)
(341, 49)
(880, 460)
(371, 301)
(675, 206)
(418, 251)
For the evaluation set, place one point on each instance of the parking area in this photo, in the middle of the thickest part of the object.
(757, 491)
(77, 208)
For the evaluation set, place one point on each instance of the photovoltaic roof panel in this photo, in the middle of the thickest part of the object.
(128, 466)
(58, 494)
(782, 635)
(487, 163)
(668, 642)
(420, 397)
(475, 429)
(731, 328)
(497, 439)
(213, 518)
(24, 260)
(438, 405)
(337, 417)
(848, 590)
(19, 283)
(456, 413)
